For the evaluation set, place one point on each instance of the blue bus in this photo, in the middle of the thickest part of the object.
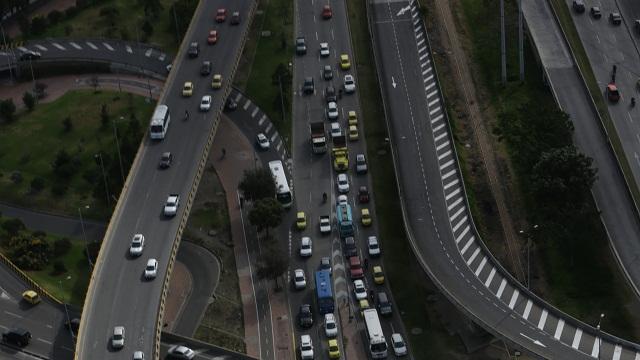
(324, 292)
(345, 220)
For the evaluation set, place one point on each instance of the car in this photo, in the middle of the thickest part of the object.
(361, 164)
(343, 199)
(231, 104)
(306, 246)
(334, 349)
(353, 133)
(305, 316)
(73, 325)
(187, 89)
(365, 217)
(138, 355)
(330, 94)
(327, 73)
(205, 68)
(307, 86)
(378, 275)
(350, 247)
(299, 280)
(151, 270)
(137, 245)
(349, 84)
(221, 15)
(345, 63)
(330, 326)
(31, 297)
(595, 12)
(17, 336)
(352, 117)
(612, 93)
(205, 103)
(324, 49)
(235, 18)
(301, 45)
(325, 263)
(306, 347)
(169, 67)
(194, 49)
(355, 267)
(181, 352)
(326, 12)
(343, 183)
(399, 347)
(364, 304)
(335, 129)
(212, 38)
(578, 6)
(332, 111)
(216, 81)
(301, 220)
(383, 304)
(262, 141)
(172, 204)
(30, 55)
(117, 339)
(373, 246)
(359, 289)
(363, 195)
(615, 18)
(325, 224)
(165, 160)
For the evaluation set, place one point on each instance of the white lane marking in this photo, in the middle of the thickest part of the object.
(268, 128)
(473, 256)
(444, 133)
(91, 45)
(462, 234)
(482, 264)
(13, 314)
(129, 49)
(454, 204)
(162, 57)
(490, 278)
(434, 110)
(543, 319)
(437, 118)
(78, 47)
(444, 154)
(434, 92)
(60, 47)
(576, 339)
(238, 97)
(448, 174)
(637, 356)
(109, 47)
(527, 309)
(246, 105)
(432, 102)
(467, 245)
(617, 351)
(514, 299)
(279, 145)
(461, 222)
(23, 49)
(148, 52)
(595, 349)
(420, 42)
(503, 284)
(446, 165)
(453, 182)
(45, 341)
(273, 138)
(559, 328)
(429, 77)
(42, 48)
(452, 194)
(460, 211)
(422, 57)
(430, 86)
(262, 119)
(254, 112)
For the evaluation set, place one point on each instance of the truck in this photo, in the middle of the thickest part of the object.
(340, 153)
(318, 137)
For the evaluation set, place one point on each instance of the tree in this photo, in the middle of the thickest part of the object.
(13, 226)
(29, 100)
(147, 28)
(62, 165)
(272, 263)
(266, 213)
(282, 75)
(61, 247)
(37, 184)
(29, 253)
(67, 124)
(38, 25)
(110, 14)
(54, 17)
(7, 109)
(104, 116)
(257, 184)
(59, 268)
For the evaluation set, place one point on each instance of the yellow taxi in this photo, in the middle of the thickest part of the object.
(31, 297)
(216, 83)
(345, 64)
(334, 349)
(187, 89)
(353, 118)
(365, 217)
(364, 304)
(353, 133)
(378, 275)
(301, 220)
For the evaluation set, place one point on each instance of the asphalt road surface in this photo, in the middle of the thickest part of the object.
(118, 294)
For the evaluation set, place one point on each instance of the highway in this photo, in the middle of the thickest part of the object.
(314, 175)
(436, 213)
(118, 294)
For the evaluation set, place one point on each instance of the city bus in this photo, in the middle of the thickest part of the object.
(345, 220)
(283, 194)
(377, 343)
(324, 294)
(160, 122)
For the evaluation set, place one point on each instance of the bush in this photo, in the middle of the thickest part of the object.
(59, 268)
(38, 25)
(54, 17)
(29, 100)
(13, 226)
(59, 188)
(39, 234)
(61, 247)
(72, 11)
(7, 109)
(67, 124)
(29, 253)
(37, 184)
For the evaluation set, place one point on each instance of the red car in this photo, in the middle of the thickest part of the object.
(612, 93)
(213, 37)
(221, 15)
(355, 268)
(326, 12)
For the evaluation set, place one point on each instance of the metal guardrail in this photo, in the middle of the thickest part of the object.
(24, 277)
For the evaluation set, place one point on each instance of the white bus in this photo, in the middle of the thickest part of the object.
(160, 122)
(377, 343)
(283, 194)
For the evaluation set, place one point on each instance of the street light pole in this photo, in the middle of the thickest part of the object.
(104, 176)
(84, 236)
(528, 234)
(66, 310)
(598, 334)
(115, 134)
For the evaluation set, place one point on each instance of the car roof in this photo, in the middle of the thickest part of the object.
(329, 316)
(305, 338)
(396, 337)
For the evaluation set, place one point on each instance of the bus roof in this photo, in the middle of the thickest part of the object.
(323, 284)
(282, 186)
(372, 323)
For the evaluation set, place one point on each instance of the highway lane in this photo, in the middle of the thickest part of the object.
(118, 294)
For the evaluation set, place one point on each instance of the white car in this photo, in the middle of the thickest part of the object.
(325, 224)
(349, 84)
(306, 247)
(330, 327)
(263, 142)
(205, 103)
(138, 355)
(399, 347)
(181, 352)
(306, 347)
(374, 246)
(299, 279)
(343, 183)
(332, 110)
(137, 245)
(343, 199)
(359, 289)
(171, 207)
(151, 270)
(335, 129)
(324, 49)
(117, 340)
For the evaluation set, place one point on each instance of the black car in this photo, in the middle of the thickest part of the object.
(595, 12)
(165, 160)
(30, 55)
(17, 336)
(327, 73)
(73, 325)
(578, 6)
(330, 94)
(194, 49)
(235, 18)
(308, 87)
(305, 316)
(301, 46)
(350, 248)
(325, 264)
(615, 18)
(205, 69)
(231, 104)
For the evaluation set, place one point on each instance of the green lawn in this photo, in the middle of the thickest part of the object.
(29, 145)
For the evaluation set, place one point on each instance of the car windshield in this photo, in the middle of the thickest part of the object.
(399, 344)
(150, 267)
(331, 325)
(306, 347)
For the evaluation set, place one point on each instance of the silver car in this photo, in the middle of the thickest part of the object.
(117, 340)
(137, 245)
(181, 352)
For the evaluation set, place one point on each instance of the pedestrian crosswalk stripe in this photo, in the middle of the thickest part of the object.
(60, 47)
(129, 49)
(41, 48)
(92, 46)
(109, 47)
(148, 52)
(75, 45)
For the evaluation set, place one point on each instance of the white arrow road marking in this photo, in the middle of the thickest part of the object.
(536, 342)
(393, 82)
(404, 10)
